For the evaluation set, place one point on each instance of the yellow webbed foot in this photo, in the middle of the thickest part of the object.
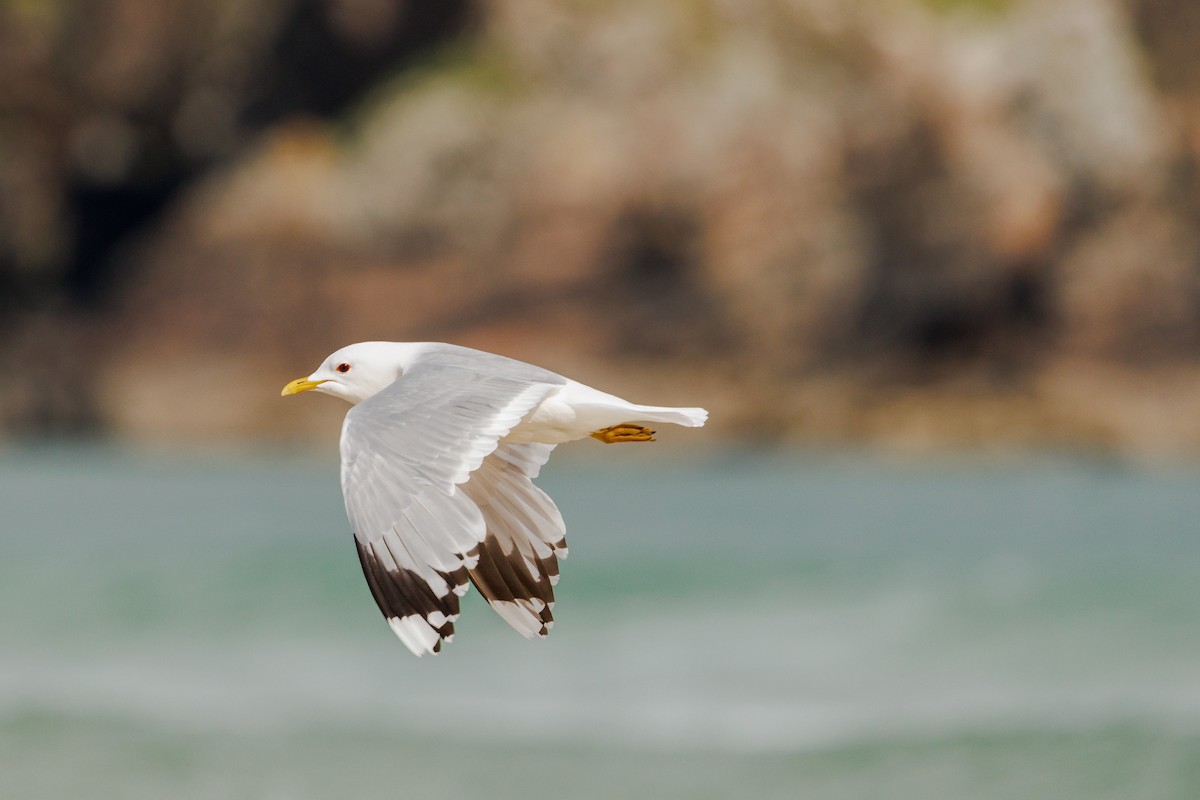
(625, 432)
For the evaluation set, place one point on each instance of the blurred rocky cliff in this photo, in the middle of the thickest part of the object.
(903, 222)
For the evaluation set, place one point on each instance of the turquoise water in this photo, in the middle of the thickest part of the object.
(729, 626)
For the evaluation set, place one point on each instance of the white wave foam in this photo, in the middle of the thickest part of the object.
(800, 677)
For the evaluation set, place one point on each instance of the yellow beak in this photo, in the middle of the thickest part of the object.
(299, 385)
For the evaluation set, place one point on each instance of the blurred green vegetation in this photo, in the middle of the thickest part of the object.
(978, 6)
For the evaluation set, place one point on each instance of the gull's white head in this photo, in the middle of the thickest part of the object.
(357, 371)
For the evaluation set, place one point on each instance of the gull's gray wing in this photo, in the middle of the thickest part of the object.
(518, 560)
(405, 454)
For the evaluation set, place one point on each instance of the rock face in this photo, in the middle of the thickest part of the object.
(894, 222)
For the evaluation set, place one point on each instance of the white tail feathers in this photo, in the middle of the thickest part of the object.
(687, 417)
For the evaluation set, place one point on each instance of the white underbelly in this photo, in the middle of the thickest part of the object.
(571, 412)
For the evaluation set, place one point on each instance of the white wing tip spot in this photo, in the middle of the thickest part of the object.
(519, 617)
(415, 633)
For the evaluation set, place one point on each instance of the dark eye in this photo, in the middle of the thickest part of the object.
(343, 367)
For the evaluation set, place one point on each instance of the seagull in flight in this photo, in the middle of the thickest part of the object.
(439, 454)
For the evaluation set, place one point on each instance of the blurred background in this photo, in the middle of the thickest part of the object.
(933, 266)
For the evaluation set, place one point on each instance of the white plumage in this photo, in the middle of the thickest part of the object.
(438, 460)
